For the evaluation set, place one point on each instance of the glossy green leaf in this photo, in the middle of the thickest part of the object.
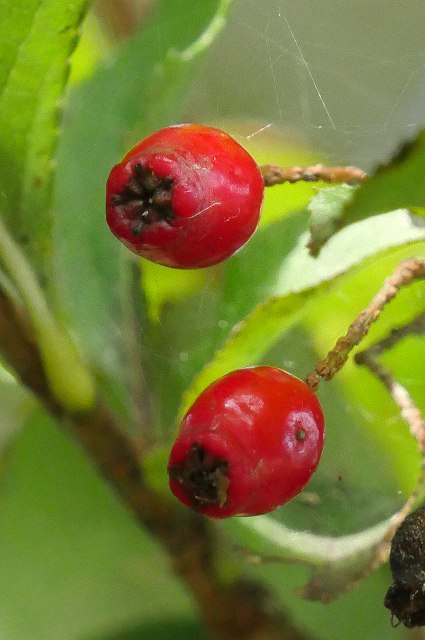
(250, 340)
(418, 211)
(277, 260)
(326, 209)
(286, 543)
(37, 39)
(163, 285)
(250, 276)
(347, 248)
(179, 346)
(394, 185)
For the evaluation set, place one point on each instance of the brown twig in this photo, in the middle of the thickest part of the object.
(409, 411)
(232, 610)
(414, 327)
(273, 174)
(404, 274)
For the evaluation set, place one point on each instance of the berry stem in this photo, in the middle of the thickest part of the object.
(273, 174)
(404, 274)
(69, 379)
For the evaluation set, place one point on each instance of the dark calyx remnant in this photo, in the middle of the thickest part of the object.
(406, 596)
(203, 476)
(146, 198)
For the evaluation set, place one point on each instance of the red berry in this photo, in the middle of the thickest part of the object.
(188, 196)
(248, 444)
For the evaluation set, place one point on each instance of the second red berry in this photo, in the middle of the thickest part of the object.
(249, 443)
(188, 196)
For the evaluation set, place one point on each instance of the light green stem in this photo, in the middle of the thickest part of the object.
(69, 379)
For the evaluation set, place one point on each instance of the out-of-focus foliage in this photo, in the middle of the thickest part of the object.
(68, 549)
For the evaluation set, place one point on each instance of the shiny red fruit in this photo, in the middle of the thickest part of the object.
(248, 444)
(188, 196)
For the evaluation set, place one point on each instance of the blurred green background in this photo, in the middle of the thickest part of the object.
(296, 82)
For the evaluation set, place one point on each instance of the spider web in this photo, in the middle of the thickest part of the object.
(347, 77)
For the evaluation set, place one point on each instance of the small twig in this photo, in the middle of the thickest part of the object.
(415, 326)
(273, 174)
(410, 413)
(404, 274)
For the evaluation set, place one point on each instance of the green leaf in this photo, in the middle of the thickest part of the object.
(326, 210)
(163, 285)
(272, 536)
(277, 260)
(37, 39)
(16, 404)
(262, 258)
(249, 340)
(179, 346)
(418, 211)
(394, 185)
(347, 248)
(370, 404)
(398, 184)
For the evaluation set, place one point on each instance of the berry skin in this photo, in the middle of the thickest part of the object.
(187, 196)
(248, 444)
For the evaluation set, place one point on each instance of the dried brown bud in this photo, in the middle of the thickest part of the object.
(406, 596)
